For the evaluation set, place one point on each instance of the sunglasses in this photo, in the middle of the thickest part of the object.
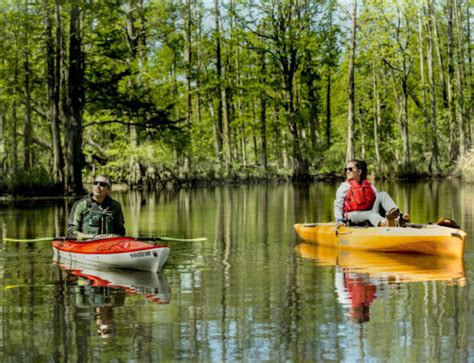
(101, 183)
(348, 169)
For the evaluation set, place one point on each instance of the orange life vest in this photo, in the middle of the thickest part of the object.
(359, 196)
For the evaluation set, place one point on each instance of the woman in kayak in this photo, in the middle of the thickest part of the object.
(357, 201)
(97, 214)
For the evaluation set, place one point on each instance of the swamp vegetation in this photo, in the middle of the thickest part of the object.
(191, 91)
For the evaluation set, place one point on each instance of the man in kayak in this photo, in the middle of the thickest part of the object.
(97, 214)
(357, 201)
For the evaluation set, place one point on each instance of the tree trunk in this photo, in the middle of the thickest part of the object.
(27, 124)
(223, 115)
(361, 132)
(135, 173)
(2, 139)
(453, 137)
(240, 110)
(421, 43)
(188, 71)
(198, 62)
(434, 167)
(313, 100)
(435, 39)
(404, 124)
(74, 156)
(328, 109)
(377, 119)
(350, 154)
(263, 112)
(460, 80)
(218, 127)
(14, 137)
(470, 105)
(53, 95)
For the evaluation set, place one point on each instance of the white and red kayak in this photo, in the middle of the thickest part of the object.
(114, 252)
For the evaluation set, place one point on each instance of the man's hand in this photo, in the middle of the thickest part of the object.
(101, 236)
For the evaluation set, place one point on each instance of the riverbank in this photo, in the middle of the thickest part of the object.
(42, 187)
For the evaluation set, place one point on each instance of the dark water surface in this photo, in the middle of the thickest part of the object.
(251, 292)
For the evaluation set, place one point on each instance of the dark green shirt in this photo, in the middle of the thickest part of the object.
(88, 216)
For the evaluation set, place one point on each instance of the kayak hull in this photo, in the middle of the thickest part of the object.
(116, 252)
(426, 239)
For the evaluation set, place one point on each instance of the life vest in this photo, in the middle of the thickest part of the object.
(97, 219)
(359, 196)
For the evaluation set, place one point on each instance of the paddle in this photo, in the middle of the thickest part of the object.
(43, 239)
(49, 239)
(172, 239)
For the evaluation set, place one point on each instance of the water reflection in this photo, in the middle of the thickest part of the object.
(154, 286)
(245, 294)
(356, 292)
(360, 276)
(101, 291)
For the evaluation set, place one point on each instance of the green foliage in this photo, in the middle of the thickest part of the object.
(283, 71)
(36, 181)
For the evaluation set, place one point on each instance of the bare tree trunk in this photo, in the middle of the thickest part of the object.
(74, 156)
(350, 154)
(53, 95)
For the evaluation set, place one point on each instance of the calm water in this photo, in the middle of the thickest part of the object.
(251, 292)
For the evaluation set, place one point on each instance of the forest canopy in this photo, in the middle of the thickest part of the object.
(194, 90)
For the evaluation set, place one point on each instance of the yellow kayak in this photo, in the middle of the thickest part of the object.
(428, 239)
(392, 267)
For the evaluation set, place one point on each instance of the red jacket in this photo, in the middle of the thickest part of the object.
(359, 196)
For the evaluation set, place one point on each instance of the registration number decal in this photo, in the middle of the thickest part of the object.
(140, 254)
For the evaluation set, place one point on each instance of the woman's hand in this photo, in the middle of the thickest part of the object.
(340, 223)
